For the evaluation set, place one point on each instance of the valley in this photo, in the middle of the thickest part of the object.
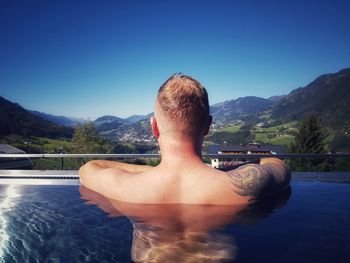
(238, 121)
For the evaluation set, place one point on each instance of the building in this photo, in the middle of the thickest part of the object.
(13, 163)
(251, 148)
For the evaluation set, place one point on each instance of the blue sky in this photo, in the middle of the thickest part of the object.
(92, 58)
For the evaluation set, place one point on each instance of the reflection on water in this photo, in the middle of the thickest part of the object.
(51, 224)
(7, 202)
(184, 233)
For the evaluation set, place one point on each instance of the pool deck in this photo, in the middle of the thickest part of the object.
(39, 177)
(71, 177)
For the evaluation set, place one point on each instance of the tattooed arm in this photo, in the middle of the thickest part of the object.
(259, 180)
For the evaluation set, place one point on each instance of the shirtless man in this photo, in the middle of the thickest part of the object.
(181, 120)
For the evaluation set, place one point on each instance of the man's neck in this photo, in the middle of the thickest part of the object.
(179, 152)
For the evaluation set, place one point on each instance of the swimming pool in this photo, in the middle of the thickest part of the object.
(65, 222)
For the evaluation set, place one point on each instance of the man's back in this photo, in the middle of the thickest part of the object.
(192, 183)
(195, 186)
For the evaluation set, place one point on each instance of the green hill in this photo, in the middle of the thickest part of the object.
(16, 120)
(328, 96)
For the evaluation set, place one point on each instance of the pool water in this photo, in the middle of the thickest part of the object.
(68, 223)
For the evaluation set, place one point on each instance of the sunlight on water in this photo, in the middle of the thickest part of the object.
(7, 203)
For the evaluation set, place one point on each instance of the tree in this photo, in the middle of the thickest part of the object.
(87, 140)
(341, 144)
(308, 139)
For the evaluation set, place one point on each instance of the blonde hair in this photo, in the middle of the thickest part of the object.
(185, 101)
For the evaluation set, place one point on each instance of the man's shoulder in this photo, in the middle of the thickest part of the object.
(249, 180)
(246, 169)
(124, 186)
(260, 180)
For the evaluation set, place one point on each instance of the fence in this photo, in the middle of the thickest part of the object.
(150, 156)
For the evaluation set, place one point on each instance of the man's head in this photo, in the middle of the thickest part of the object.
(182, 108)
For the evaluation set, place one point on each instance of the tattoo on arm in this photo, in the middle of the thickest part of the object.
(249, 180)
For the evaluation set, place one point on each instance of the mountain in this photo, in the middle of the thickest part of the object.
(14, 119)
(60, 120)
(108, 122)
(136, 118)
(328, 96)
(244, 107)
(108, 119)
(140, 130)
(130, 124)
(276, 99)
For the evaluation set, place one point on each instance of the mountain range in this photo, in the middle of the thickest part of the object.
(14, 119)
(328, 96)
(244, 107)
(59, 120)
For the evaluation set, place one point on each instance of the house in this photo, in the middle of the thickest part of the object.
(13, 163)
(251, 148)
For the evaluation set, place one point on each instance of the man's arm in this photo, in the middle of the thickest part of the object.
(259, 180)
(100, 176)
(102, 164)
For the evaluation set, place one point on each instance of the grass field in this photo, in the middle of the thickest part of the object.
(277, 135)
(268, 139)
(51, 145)
(42, 145)
(288, 126)
(56, 164)
(231, 128)
(36, 144)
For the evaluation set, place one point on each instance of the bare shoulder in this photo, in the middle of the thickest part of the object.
(100, 180)
(278, 168)
(126, 187)
(249, 180)
(260, 180)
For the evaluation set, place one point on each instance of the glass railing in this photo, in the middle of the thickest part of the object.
(45, 161)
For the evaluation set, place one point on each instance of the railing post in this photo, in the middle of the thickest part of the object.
(61, 152)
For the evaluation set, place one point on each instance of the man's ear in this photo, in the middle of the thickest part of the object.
(210, 119)
(154, 126)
